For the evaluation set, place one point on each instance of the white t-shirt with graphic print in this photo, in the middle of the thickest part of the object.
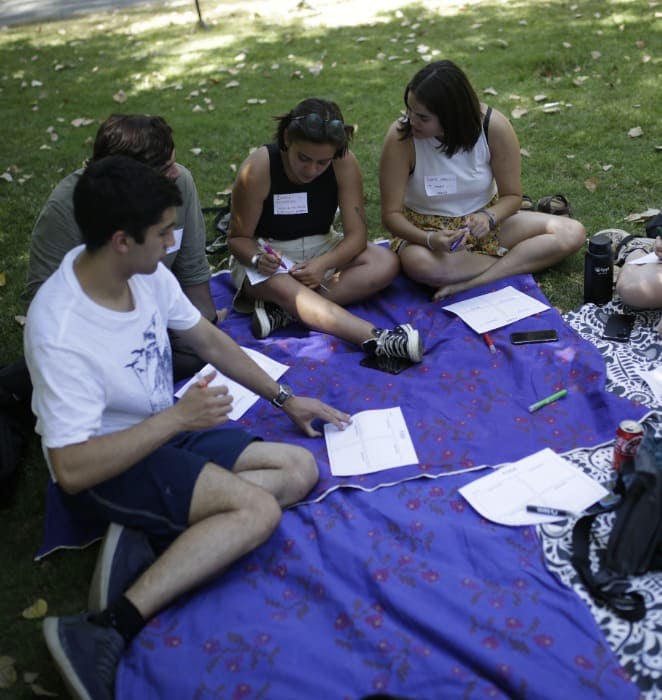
(97, 371)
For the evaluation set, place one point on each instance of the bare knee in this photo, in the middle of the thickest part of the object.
(385, 263)
(572, 236)
(419, 265)
(262, 516)
(304, 472)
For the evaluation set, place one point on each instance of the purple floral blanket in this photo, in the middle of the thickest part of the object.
(390, 582)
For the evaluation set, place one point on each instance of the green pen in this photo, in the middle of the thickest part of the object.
(547, 400)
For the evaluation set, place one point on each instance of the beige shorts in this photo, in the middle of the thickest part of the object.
(299, 249)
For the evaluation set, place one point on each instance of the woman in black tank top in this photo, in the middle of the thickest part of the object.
(288, 261)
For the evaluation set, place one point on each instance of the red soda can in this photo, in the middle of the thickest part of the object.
(628, 438)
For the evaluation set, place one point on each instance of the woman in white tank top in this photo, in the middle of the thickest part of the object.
(450, 180)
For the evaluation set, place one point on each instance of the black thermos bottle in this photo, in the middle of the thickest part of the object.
(598, 270)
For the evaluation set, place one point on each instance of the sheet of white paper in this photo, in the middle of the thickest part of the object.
(254, 277)
(653, 377)
(541, 479)
(644, 259)
(375, 440)
(242, 398)
(496, 309)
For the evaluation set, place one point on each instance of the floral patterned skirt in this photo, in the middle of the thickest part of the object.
(488, 245)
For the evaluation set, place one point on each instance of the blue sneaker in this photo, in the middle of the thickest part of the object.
(86, 655)
(124, 555)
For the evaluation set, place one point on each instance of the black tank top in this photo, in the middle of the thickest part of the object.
(322, 202)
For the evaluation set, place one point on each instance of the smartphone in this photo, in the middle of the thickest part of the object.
(390, 365)
(619, 327)
(546, 336)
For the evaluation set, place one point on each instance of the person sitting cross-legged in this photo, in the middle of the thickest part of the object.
(284, 201)
(120, 450)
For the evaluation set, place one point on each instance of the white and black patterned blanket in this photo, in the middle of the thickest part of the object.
(638, 645)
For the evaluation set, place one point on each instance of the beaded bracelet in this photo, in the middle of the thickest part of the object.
(490, 216)
(427, 239)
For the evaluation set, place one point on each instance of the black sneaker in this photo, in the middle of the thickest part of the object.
(403, 341)
(124, 555)
(267, 318)
(86, 655)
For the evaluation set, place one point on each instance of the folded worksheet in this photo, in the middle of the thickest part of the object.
(542, 479)
(374, 440)
(242, 398)
(496, 309)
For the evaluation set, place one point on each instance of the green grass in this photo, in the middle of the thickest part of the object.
(165, 64)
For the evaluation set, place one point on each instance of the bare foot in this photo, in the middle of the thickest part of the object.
(450, 289)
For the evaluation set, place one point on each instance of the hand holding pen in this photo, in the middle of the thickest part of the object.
(271, 252)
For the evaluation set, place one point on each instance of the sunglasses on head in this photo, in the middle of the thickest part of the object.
(317, 127)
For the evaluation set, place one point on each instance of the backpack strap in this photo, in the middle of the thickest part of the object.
(605, 587)
(486, 123)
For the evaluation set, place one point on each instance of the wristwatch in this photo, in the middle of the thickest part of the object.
(284, 393)
(256, 259)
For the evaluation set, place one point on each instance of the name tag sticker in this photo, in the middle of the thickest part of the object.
(295, 203)
(177, 233)
(438, 185)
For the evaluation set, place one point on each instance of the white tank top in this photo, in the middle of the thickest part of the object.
(446, 186)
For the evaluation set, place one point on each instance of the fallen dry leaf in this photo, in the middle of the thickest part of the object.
(518, 112)
(120, 96)
(524, 152)
(7, 176)
(608, 166)
(641, 216)
(490, 91)
(196, 151)
(591, 184)
(20, 320)
(36, 611)
(595, 54)
(3, 279)
(38, 690)
(232, 84)
(82, 121)
(540, 98)
(7, 672)
(635, 131)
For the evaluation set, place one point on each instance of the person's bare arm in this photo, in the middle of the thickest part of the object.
(355, 234)
(200, 296)
(217, 348)
(249, 191)
(506, 166)
(201, 407)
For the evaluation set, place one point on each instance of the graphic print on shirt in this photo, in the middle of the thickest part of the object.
(152, 364)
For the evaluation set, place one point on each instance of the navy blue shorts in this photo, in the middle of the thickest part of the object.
(155, 494)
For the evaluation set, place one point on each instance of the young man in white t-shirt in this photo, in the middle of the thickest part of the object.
(120, 451)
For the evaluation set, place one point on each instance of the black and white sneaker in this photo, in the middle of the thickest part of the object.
(267, 318)
(403, 341)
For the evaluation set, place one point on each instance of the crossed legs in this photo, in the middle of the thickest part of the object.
(231, 513)
(534, 241)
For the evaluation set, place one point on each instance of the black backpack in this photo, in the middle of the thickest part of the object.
(654, 226)
(635, 541)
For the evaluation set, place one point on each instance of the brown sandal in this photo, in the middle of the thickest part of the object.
(554, 204)
(527, 204)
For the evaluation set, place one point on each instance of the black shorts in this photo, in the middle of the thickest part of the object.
(154, 495)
